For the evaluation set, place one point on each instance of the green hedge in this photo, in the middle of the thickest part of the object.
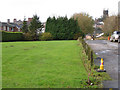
(63, 28)
(11, 36)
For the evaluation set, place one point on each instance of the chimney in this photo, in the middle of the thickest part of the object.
(29, 19)
(8, 20)
(14, 20)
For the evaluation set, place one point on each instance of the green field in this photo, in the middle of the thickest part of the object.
(43, 64)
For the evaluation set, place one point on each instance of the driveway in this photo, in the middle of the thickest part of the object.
(109, 52)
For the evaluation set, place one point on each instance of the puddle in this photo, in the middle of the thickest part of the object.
(96, 53)
(102, 52)
(105, 51)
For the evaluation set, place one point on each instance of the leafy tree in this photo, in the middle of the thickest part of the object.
(110, 25)
(25, 26)
(35, 25)
(85, 22)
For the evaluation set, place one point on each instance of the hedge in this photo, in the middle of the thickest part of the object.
(88, 50)
(63, 28)
(11, 36)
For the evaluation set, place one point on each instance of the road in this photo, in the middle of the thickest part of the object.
(110, 52)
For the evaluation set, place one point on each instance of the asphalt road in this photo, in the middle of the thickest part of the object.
(110, 52)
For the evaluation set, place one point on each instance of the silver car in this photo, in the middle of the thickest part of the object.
(115, 36)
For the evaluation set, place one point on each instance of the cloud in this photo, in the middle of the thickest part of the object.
(45, 8)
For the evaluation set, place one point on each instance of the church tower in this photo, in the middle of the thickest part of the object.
(105, 14)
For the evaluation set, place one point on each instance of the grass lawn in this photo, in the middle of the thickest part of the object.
(43, 64)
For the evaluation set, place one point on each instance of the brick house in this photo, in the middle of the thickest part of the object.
(16, 26)
(10, 27)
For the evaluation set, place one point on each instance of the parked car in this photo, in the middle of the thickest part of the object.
(115, 36)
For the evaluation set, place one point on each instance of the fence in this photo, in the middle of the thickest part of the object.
(88, 50)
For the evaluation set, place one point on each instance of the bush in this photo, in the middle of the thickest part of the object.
(45, 37)
(77, 35)
(28, 36)
(106, 34)
(11, 36)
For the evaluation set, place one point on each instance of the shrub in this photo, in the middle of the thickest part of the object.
(106, 34)
(28, 36)
(11, 36)
(45, 37)
(77, 35)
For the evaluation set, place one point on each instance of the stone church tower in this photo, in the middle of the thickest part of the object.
(105, 14)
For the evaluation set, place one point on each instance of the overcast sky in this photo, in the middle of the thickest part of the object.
(10, 9)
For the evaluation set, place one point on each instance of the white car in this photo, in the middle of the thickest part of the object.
(115, 36)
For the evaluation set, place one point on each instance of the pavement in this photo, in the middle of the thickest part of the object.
(110, 52)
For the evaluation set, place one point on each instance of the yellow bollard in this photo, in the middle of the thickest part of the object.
(101, 65)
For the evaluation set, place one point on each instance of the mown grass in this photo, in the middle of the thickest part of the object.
(42, 64)
(0, 65)
(45, 64)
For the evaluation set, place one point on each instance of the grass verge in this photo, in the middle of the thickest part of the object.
(43, 64)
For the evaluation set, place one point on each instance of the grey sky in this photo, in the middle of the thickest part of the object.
(10, 9)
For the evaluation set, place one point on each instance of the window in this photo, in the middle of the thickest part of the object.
(7, 28)
(19, 29)
(118, 32)
(11, 29)
(4, 28)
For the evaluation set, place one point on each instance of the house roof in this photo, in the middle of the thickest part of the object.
(11, 25)
(7, 24)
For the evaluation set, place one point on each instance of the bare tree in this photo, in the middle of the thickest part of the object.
(85, 22)
(110, 24)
